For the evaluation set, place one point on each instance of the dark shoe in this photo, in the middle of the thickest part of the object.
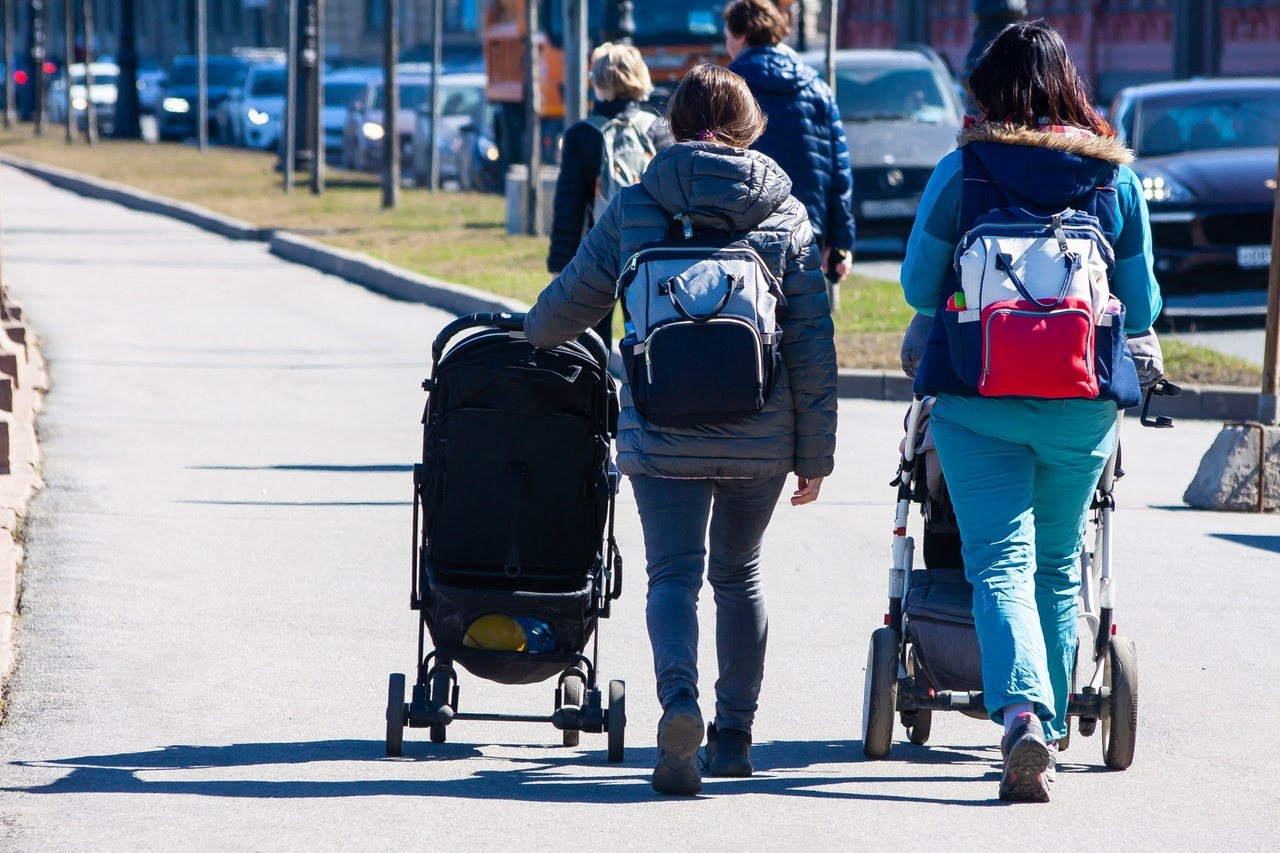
(728, 752)
(1026, 762)
(679, 736)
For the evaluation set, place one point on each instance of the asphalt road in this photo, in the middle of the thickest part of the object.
(216, 591)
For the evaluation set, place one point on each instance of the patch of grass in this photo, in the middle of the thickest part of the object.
(1188, 364)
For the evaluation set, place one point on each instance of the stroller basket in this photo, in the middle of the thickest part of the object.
(939, 608)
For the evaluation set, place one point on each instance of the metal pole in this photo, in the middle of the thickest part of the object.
(317, 107)
(437, 61)
(1268, 405)
(391, 109)
(91, 109)
(833, 24)
(39, 54)
(202, 74)
(69, 51)
(10, 93)
(305, 143)
(533, 120)
(291, 97)
(126, 124)
(575, 61)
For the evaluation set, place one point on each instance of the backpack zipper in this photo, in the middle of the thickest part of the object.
(755, 333)
(1022, 312)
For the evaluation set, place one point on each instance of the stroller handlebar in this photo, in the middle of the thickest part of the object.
(511, 322)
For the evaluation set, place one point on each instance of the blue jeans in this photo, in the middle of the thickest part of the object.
(1021, 475)
(674, 515)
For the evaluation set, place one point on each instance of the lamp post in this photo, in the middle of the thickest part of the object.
(39, 55)
(69, 49)
(391, 108)
(126, 124)
(90, 109)
(10, 90)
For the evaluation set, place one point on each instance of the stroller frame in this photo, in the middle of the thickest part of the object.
(1110, 692)
(579, 703)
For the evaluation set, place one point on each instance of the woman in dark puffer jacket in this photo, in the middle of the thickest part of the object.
(730, 474)
(805, 136)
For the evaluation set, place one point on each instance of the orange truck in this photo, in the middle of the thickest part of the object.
(673, 35)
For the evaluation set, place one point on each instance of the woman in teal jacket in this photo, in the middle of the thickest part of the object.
(1022, 471)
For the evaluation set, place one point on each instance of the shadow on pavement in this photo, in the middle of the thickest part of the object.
(558, 777)
(1266, 543)
(339, 469)
(295, 503)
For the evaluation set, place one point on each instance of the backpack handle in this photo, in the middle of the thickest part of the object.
(1004, 263)
(736, 283)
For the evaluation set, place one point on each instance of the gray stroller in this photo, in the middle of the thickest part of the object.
(926, 657)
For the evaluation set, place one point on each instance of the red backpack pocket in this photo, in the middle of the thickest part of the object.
(1033, 351)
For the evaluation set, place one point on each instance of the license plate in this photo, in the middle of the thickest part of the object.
(892, 207)
(1253, 257)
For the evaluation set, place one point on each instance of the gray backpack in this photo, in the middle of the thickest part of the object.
(628, 148)
(701, 320)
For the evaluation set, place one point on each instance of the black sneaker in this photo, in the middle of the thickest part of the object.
(1027, 762)
(728, 752)
(679, 736)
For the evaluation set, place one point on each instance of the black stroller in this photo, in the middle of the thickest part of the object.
(926, 658)
(516, 491)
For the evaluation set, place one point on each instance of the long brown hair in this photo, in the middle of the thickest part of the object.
(712, 104)
(1026, 76)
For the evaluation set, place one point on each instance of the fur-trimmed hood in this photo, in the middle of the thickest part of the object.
(1082, 143)
(1044, 169)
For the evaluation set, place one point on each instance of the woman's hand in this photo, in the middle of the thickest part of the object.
(806, 491)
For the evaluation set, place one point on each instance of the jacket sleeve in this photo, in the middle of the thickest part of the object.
(1134, 278)
(581, 295)
(840, 221)
(934, 236)
(575, 193)
(808, 349)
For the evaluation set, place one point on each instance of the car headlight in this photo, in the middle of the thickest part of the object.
(372, 131)
(79, 104)
(258, 117)
(176, 105)
(1161, 189)
(490, 151)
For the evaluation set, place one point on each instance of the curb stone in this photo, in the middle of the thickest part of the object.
(1208, 402)
(16, 492)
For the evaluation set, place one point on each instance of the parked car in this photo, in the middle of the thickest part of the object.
(342, 89)
(252, 115)
(24, 85)
(1206, 152)
(103, 89)
(176, 118)
(462, 104)
(151, 79)
(901, 116)
(363, 132)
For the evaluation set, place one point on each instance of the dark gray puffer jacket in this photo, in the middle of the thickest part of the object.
(796, 429)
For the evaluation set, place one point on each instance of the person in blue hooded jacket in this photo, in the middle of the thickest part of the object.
(804, 135)
(1022, 471)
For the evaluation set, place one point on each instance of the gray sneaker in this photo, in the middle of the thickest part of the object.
(1027, 762)
(728, 752)
(679, 736)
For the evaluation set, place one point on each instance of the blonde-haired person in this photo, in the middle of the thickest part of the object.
(705, 493)
(805, 135)
(621, 85)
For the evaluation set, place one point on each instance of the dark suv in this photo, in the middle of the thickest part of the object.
(176, 113)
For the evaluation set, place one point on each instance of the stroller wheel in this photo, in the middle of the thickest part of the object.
(441, 682)
(617, 719)
(573, 691)
(395, 714)
(1120, 730)
(919, 732)
(880, 693)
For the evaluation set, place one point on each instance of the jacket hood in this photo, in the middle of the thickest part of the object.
(716, 184)
(773, 70)
(1041, 167)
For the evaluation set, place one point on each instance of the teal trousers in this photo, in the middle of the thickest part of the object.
(1021, 475)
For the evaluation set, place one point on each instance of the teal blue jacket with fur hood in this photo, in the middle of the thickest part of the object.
(796, 429)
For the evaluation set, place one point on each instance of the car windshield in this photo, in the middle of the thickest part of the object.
(460, 100)
(220, 74)
(268, 83)
(891, 94)
(341, 94)
(412, 96)
(1204, 122)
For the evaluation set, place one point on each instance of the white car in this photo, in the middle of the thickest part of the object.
(462, 103)
(253, 113)
(102, 87)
